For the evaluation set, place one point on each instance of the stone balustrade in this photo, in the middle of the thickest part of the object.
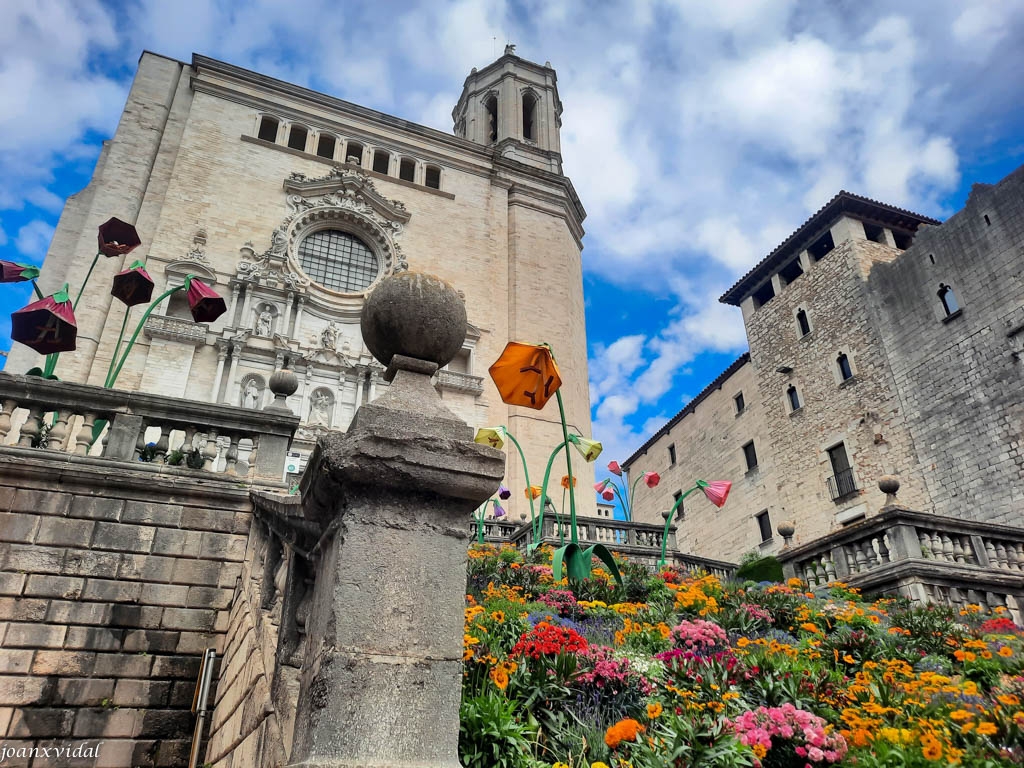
(62, 417)
(177, 329)
(920, 556)
(459, 382)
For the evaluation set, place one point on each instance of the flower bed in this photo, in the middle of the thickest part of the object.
(673, 670)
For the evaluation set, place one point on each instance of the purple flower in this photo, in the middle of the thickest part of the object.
(498, 509)
(504, 493)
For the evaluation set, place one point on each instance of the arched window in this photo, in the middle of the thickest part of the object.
(948, 299)
(794, 398)
(432, 177)
(530, 116)
(268, 128)
(407, 169)
(325, 145)
(297, 136)
(381, 161)
(845, 371)
(802, 323)
(354, 153)
(491, 105)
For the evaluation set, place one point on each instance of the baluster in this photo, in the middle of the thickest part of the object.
(926, 544)
(851, 562)
(140, 442)
(883, 549)
(830, 570)
(936, 545)
(30, 429)
(869, 552)
(947, 548)
(59, 430)
(251, 458)
(104, 435)
(232, 456)
(1000, 554)
(5, 418)
(1018, 550)
(958, 550)
(1011, 556)
(861, 557)
(211, 451)
(990, 550)
(162, 444)
(189, 439)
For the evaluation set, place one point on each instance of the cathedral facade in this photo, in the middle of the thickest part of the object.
(293, 205)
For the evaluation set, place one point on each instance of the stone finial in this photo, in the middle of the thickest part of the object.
(283, 383)
(786, 530)
(665, 515)
(889, 485)
(413, 321)
(523, 516)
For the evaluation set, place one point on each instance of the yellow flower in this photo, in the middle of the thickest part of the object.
(654, 710)
(760, 751)
(599, 764)
(987, 729)
(589, 449)
(500, 677)
(498, 616)
(1006, 651)
(930, 747)
(560, 765)
(492, 436)
(960, 714)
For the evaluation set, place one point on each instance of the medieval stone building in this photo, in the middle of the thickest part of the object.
(881, 342)
(293, 205)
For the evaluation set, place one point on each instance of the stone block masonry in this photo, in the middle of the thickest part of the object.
(112, 583)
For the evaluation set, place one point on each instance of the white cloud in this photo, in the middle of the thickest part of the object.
(3, 235)
(33, 239)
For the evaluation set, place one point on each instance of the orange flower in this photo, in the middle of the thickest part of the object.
(526, 375)
(500, 677)
(654, 710)
(987, 729)
(533, 492)
(1006, 651)
(565, 481)
(624, 730)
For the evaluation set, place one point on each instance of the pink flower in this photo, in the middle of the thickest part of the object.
(614, 468)
(205, 303)
(717, 492)
(608, 495)
(47, 325)
(599, 487)
(652, 479)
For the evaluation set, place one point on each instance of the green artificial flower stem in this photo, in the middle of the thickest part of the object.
(668, 524)
(131, 343)
(526, 472)
(480, 523)
(85, 282)
(117, 347)
(568, 466)
(39, 294)
(543, 494)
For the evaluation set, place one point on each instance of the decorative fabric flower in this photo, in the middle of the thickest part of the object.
(12, 272)
(717, 492)
(526, 375)
(117, 238)
(608, 495)
(614, 468)
(652, 479)
(589, 449)
(600, 487)
(504, 493)
(47, 325)
(492, 436)
(133, 286)
(565, 482)
(205, 303)
(533, 492)
(499, 511)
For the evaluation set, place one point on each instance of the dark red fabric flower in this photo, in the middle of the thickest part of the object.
(205, 304)
(47, 325)
(12, 272)
(117, 238)
(133, 286)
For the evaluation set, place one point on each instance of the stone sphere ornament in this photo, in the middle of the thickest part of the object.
(786, 529)
(416, 315)
(889, 484)
(283, 384)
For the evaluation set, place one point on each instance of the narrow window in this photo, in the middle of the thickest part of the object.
(325, 145)
(740, 405)
(948, 299)
(931, 258)
(297, 137)
(354, 153)
(750, 455)
(764, 294)
(802, 324)
(407, 169)
(432, 178)
(672, 455)
(791, 272)
(764, 525)
(529, 116)
(268, 128)
(821, 246)
(844, 366)
(841, 483)
(381, 160)
(794, 398)
(491, 105)
(874, 233)
(988, 221)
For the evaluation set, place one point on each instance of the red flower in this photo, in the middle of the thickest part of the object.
(717, 491)
(548, 640)
(652, 479)
(608, 495)
(117, 238)
(133, 286)
(205, 303)
(11, 272)
(47, 325)
(614, 468)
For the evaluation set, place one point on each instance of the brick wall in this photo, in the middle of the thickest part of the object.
(112, 583)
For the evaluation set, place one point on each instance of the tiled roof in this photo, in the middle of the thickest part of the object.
(690, 406)
(844, 202)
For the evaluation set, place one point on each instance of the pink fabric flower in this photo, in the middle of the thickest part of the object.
(205, 303)
(717, 492)
(652, 479)
(614, 468)
(608, 495)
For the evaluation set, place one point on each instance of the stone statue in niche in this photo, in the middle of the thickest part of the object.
(320, 409)
(264, 324)
(329, 338)
(251, 395)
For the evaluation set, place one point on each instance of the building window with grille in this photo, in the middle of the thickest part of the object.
(672, 455)
(803, 324)
(764, 525)
(338, 261)
(750, 456)
(740, 404)
(845, 371)
(841, 484)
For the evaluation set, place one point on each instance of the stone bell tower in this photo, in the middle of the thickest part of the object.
(512, 105)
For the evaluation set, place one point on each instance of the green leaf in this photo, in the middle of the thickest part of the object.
(577, 563)
(556, 562)
(37, 371)
(61, 296)
(601, 552)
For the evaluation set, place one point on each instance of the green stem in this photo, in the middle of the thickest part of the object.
(668, 524)
(84, 282)
(149, 310)
(480, 523)
(568, 466)
(120, 338)
(632, 495)
(526, 472)
(543, 495)
(35, 288)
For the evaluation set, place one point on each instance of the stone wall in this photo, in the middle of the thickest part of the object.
(114, 578)
(959, 378)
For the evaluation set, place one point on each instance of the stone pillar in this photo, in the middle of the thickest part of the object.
(222, 353)
(229, 390)
(234, 304)
(382, 676)
(245, 321)
(297, 328)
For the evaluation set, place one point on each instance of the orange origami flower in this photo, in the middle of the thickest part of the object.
(526, 375)
(565, 482)
(533, 492)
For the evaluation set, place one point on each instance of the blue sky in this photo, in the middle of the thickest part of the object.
(698, 135)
